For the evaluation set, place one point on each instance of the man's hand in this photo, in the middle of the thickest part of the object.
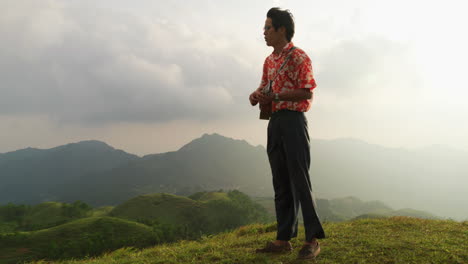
(254, 97)
(294, 96)
(265, 98)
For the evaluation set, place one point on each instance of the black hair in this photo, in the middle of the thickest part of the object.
(282, 18)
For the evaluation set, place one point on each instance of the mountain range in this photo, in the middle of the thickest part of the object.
(433, 179)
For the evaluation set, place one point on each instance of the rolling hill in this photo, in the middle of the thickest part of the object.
(392, 240)
(432, 179)
(139, 222)
(165, 208)
(92, 235)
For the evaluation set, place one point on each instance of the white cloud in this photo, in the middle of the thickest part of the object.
(29, 27)
(101, 63)
(370, 67)
(107, 66)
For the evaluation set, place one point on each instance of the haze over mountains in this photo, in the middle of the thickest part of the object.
(433, 179)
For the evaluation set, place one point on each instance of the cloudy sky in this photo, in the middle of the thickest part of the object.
(148, 76)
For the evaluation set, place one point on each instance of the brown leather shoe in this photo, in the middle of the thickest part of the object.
(273, 248)
(309, 251)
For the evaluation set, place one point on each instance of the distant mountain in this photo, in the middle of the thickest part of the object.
(207, 163)
(351, 207)
(432, 179)
(347, 208)
(35, 175)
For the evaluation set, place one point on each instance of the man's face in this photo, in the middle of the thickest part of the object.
(272, 37)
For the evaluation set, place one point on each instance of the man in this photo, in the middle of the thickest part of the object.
(289, 71)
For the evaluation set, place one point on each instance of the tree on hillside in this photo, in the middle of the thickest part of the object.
(12, 212)
(77, 209)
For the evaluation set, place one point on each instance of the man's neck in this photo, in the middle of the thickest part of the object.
(278, 48)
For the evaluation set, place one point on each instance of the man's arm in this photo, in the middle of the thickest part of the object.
(253, 98)
(294, 96)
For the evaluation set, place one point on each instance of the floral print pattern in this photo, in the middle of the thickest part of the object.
(296, 74)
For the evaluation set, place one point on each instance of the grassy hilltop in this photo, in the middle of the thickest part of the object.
(387, 240)
(70, 240)
(64, 231)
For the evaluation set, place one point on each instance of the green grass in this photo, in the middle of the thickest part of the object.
(210, 196)
(8, 227)
(166, 208)
(45, 215)
(210, 213)
(140, 222)
(90, 236)
(387, 240)
(17, 218)
(101, 211)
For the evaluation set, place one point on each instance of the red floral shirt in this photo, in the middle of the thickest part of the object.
(296, 74)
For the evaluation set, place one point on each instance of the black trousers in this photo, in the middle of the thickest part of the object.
(288, 150)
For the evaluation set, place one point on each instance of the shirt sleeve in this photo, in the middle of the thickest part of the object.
(305, 76)
(264, 80)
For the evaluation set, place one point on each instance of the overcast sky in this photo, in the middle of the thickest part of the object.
(149, 76)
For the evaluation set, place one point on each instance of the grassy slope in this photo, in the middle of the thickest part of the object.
(209, 196)
(69, 239)
(45, 215)
(101, 211)
(167, 208)
(389, 240)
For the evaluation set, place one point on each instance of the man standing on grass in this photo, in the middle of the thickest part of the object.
(288, 73)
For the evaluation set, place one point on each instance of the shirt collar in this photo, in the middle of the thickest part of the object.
(284, 51)
(287, 47)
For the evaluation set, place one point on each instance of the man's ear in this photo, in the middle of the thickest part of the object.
(282, 30)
